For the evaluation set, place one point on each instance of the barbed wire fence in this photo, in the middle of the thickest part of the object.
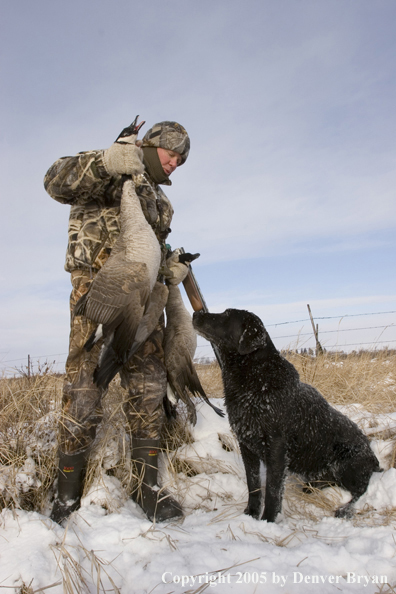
(307, 342)
(303, 342)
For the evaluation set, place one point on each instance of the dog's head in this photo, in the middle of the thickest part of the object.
(233, 330)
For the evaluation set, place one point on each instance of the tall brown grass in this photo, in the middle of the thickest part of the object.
(29, 414)
(366, 378)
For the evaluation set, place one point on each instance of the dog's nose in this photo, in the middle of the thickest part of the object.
(198, 314)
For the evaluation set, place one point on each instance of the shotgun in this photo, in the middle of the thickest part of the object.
(197, 300)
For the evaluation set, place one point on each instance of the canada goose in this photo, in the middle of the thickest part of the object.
(119, 296)
(180, 342)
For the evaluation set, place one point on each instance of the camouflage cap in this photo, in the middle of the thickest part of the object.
(168, 135)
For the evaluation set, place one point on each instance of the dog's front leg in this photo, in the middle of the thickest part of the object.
(276, 473)
(252, 468)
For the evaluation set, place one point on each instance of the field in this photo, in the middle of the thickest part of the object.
(201, 467)
(29, 412)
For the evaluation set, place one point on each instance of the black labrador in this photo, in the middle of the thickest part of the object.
(280, 420)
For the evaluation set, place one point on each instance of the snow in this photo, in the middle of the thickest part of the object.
(110, 546)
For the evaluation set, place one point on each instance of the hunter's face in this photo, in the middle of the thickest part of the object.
(169, 160)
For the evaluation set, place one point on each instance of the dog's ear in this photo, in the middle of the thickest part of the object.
(252, 338)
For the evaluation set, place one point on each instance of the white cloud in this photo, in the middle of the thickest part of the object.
(290, 108)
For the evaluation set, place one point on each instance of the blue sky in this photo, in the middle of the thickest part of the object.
(288, 193)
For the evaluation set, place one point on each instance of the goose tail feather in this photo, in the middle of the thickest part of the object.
(93, 339)
(107, 368)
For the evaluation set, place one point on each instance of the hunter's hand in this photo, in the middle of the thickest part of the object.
(178, 266)
(124, 157)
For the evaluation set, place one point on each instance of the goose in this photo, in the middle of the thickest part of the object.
(174, 270)
(121, 297)
(180, 343)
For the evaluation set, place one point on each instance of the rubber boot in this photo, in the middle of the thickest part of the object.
(70, 485)
(157, 504)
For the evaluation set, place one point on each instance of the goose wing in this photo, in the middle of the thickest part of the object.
(119, 336)
(117, 301)
(152, 314)
(112, 288)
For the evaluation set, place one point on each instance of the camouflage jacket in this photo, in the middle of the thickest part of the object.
(95, 197)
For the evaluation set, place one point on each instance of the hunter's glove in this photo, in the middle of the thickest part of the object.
(124, 157)
(177, 266)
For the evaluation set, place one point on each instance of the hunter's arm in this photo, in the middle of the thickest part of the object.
(79, 179)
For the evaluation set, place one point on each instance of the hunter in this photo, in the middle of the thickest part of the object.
(91, 183)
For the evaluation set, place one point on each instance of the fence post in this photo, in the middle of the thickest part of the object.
(319, 349)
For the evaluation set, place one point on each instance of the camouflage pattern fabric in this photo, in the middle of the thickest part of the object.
(144, 378)
(168, 135)
(82, 400)
(95, 197)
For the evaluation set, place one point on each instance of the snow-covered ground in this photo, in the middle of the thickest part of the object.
(215, 547)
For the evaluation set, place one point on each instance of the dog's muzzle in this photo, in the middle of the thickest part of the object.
(198, 320)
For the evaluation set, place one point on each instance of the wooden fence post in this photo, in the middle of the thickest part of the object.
(319, 349)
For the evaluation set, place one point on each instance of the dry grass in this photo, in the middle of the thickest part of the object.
(28, 420)
(368, 379)
(29, 411)
(210, 376)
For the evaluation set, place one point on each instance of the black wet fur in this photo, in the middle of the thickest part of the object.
(280, 420)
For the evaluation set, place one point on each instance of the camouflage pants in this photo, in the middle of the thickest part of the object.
(144, 377)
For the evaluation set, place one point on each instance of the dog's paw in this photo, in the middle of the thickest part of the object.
(345, 511)
(251, 511)
(269, 516)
